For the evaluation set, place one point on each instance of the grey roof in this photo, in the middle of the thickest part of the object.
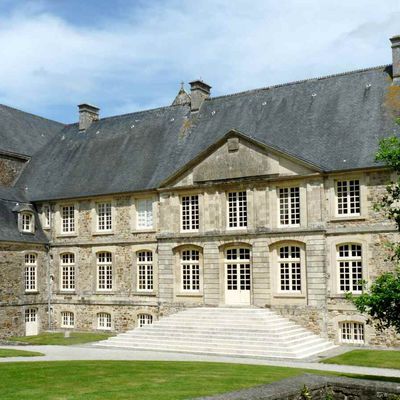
(333, 122)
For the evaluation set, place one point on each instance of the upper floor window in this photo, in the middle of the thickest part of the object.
(103, 321)
(348, 197)
(104, 216)
(349, 259)
(27, 222)
(145, 319)
(145, 270)
(104, 271)
(67, 271)
(190, 213)
(190, 266)
(289, 206)
(351, 332)
(46, 216)
(68, 219)
(144, 213)
(30, 272)
(67, 319)
(237, 209)
(289, 269)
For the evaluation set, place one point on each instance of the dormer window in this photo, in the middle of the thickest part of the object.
(27, 222)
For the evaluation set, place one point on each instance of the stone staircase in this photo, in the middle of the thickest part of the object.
(243, 332)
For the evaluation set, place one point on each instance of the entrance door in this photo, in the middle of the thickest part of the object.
(31, 322)
(237, 276)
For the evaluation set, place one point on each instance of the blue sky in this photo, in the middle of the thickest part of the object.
(125, 56)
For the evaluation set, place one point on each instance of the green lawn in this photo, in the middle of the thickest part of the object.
(18, 353)
(58, 338)
(368, 358)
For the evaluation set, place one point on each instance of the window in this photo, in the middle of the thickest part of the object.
(103, 321)
(289, 269)
(67, 219)
(238, 269)
(27, 222)
(145, 319)
(237, 209)
(145, 270)
(67, 262)
(30, 315)
(67, 319)
(348, 197)
(289, 206)
(351, 332)
(104, 217)
(104, 271)
(349, 258)
(30, 273)
(144, 213)
(190, 267)
(46, 216)
(190, 213)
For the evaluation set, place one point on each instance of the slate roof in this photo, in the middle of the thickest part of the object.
(333, 122)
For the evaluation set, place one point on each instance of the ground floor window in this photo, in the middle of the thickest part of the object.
(190, 264)
(351, 332)
(30, 315)
(145, 319)
(103, 321)
(67, 319)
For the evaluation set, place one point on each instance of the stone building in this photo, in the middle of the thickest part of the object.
(257, 199)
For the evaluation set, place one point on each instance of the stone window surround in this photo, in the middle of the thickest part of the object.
(58, 219)
(35, 266)
(134, 272)
(71, 313)
(200, 211)
(96, 324)
(94, 219)
(61, 265)
(46, 219)
(134, 215)
(144, 311)
(26, 214)
(114, 258)
(351, 317)
(152, 263)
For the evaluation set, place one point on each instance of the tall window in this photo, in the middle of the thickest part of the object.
(348, 197)
(349, 258)
(68, 219)
(351, 332)
(104, 271)
(289, 206)
(144, 213)
(190, 213)
(145, 270)
(27, 222)
(46, 216)
(30, 272)
(67, 319)
(104, 217)
(237, 209)
(237, 262)
(289, 269)
(67, 262)
(103, 321)
(145, 319)
(190, 266)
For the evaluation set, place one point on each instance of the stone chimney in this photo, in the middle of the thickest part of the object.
(87, 114)
(199, 91)
(396, 58)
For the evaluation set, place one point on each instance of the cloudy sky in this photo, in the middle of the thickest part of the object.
(128, 55)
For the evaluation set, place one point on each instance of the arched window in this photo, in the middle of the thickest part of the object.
(350, 268)
(67, 265)
(104, 271)
(145, 319)
(67, 319)
(27, 222)
(289, 261)
(190, 267)
(103, 320)
(30, 272)
(145, 270)
(351, 332)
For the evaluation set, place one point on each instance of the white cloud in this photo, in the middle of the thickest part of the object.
(47, 62)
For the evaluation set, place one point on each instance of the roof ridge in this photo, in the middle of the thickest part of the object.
(298, 82)
(33, 115)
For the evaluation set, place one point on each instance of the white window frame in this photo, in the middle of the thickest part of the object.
(236, 257)
(291, 207)
(104, 321)
(144, 319)
(68, 222)
(67, 319)
(349, 199)
(46, 215)
(27, 222)
(190, 209)
(351, 268)
(67, 272)
(190, 270)
(144, 217)
(351, 332)
(104, 216)
(145, 270)
(31, 314)
(104, 267)
(30, 272)
(293, 264)
(237, 209)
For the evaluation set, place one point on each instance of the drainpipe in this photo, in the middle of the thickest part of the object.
(49, 286)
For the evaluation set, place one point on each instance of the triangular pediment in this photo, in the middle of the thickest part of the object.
(238, 156)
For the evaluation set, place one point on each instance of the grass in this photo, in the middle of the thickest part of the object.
(18, 353)
(368, 358)
(57, 338)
